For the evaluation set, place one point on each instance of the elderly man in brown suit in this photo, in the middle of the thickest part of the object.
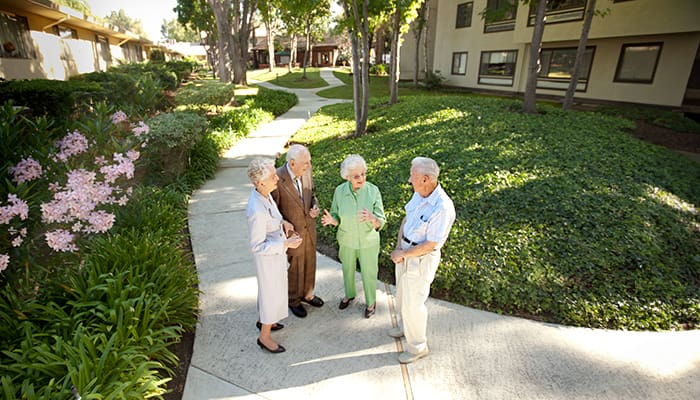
(297, 203)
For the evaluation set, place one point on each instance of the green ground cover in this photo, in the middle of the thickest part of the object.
(562, 216)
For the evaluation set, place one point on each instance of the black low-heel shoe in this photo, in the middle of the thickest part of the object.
(275, 327)
(344, 304)
(279, 348)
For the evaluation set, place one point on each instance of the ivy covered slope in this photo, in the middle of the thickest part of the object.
(562, 216)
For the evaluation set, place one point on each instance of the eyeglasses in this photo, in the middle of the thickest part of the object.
(356, 177)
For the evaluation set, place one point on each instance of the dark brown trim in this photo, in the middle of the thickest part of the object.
(622, 53)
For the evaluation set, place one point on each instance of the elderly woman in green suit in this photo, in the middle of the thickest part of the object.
(358, 212)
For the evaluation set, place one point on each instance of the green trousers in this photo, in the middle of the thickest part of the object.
(368, 258)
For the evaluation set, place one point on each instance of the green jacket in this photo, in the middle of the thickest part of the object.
(345, 208)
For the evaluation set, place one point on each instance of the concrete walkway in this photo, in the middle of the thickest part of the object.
(333, 354)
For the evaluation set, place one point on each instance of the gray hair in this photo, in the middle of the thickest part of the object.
(426, 166)
(351, 163)
(295, 151)
(258, 169)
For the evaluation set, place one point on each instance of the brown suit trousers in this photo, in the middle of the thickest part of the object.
(302, 260)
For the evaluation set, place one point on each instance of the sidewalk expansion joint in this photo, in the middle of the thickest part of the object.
(399, 346)
(213, 375)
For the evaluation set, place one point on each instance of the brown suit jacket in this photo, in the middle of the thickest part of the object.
(293, 210)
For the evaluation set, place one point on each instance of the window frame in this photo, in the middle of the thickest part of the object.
(503, 24)
(620, 61)
(468, 21)
(462, 65)
(565, 14)
(62, 31)
(491, 79)
(19, 38)
(554, 83)
(104, 50)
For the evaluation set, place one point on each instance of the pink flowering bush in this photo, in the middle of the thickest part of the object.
(72, 194)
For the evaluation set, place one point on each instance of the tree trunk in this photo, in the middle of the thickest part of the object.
(379, 40)
(270, 45)
(580, 52)
(417, 33)
(426, 67)
(223, 26)
(307, 48)
(359, 39)
(529, 103)
(242, 22)
(292, 53)
(394, 65)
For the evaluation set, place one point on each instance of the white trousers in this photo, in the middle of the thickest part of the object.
(413, 278)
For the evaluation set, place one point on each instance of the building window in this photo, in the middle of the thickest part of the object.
(501, 15)
(497, 67)
(104, 50)
(558, 67)
(15, 38)
(459, 63)
(559, 11)
(638, 62)
(464, 15)
(65, 32)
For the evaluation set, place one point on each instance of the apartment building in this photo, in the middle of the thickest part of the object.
(40, 39)
(640, 51)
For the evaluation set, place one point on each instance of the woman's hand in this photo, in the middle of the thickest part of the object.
(287, 227)
(293, 241)
(366, 216)
(327, 219)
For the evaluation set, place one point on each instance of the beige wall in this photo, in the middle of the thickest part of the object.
(58, 58)
(627, 22)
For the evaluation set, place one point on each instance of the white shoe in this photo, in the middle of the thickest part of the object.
(407, 358)
(395, 332)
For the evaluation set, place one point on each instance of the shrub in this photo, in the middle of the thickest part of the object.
(56, 99)
(277, 102)
(433, 80)
(172, 137)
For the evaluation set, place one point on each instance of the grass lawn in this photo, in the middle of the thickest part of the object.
(295, 79)
(561, 216)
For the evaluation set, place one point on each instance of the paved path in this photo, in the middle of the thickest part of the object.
(335, 354)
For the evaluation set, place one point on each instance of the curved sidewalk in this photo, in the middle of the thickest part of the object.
(334, 354)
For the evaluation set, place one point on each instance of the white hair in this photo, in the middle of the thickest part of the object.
(258, 169)
(352, 162)
(295, 151)
(426, 166)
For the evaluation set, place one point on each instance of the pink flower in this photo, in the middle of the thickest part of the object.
(133, 155)
(140, 129)
(17, 241)
(18, 207)
(100, 221)
(119, 117)
(26, 170)
(61, 240)
(71, 144)
(4, 261)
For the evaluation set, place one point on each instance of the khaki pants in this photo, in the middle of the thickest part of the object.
(413, 278)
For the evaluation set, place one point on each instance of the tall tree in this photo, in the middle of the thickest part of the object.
(222, 15)
(242, 28)
(198, 15)
(534, 65)
(403, 13)
(580, 52)
(304, 17)
(174, 30)
(270, 13)
(125, 22)
(357, 23)
(420, 26)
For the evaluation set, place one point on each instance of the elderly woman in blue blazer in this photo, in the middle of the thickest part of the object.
(270, 236)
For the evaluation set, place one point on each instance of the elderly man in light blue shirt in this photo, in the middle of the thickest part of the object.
(429, 217)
